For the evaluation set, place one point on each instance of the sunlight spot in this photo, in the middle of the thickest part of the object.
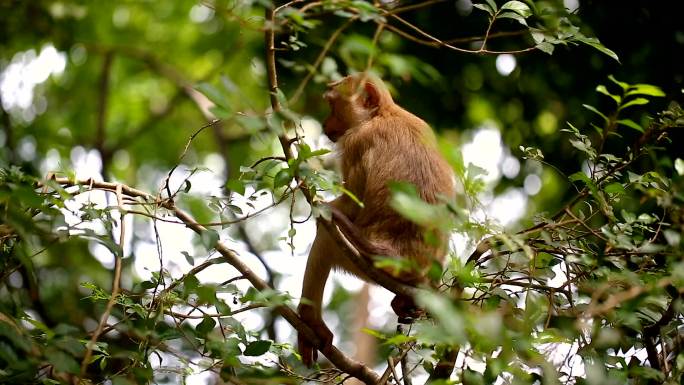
(532, 184)
(121, 159)
(485, 151)
(464, 7)
(86, 163)
(51, 162)
(508, 207)
(510, 167)
(201, 13)
(26, 70)
(571, 5)
(121, 16)
(27, 148)
(505, 64)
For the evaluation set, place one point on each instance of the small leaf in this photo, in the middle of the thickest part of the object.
(257, 348)
(236, 186)
(514, 16)
(631, 124)
(206, 326)
(485, 8)
(545, 47)
(188, 258)
(623, 85)
(645, 89)
(634, 102)
(518, 7)
(594, 42)
(614, 188)
(603, 90)
(209, 238)
(191, 283)
(492, 4)
(537, 35)
(584, 146)
(594, 110)
(62, 361)
(213, 94)
(282, 178)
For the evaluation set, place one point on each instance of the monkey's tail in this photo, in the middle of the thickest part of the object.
(356, 237)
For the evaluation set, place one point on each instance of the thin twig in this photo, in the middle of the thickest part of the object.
(116, 281)
(319, 59)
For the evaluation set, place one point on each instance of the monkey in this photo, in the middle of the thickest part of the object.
(378, 142)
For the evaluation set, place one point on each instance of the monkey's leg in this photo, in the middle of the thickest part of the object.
(317, 271)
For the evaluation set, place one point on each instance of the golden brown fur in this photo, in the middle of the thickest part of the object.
(379, 142)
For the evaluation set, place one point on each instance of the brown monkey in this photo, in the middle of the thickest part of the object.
(378, 142)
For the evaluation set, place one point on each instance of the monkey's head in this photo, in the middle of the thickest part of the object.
(353, 101)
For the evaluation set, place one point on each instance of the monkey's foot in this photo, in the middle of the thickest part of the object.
(306, 348)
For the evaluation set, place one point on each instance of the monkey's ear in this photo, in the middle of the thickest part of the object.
(372, 99)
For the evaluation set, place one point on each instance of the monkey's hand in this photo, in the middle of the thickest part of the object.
(406, 309)
(306, 348)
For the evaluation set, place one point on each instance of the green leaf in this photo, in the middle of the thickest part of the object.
(282, 178)
(485, 8)
(614, 188)
(220, 112)
(209, 238)
(257, 348)
(62, 362)
(236, 186)
(603, 90)
(596, 111)
(405, 201)
(222, 307)
(580, 176)
(634, 102)
(191, 283)
(584, 146)
(537, 35)
(492, 4)
(631, 124)
(645, 89)
(514, 16)
(545, 47)
(206, 326)
(189, 258)
(213, 94)
(622, 85)
(594, 42)
(518, 7)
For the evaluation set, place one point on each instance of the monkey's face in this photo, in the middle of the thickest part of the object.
(347, 109)
(336, 124)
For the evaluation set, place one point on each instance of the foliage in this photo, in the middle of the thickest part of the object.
(104, 282)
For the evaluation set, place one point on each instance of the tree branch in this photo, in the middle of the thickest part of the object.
(339, 359)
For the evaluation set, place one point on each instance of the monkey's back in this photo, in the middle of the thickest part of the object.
(397, 146)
